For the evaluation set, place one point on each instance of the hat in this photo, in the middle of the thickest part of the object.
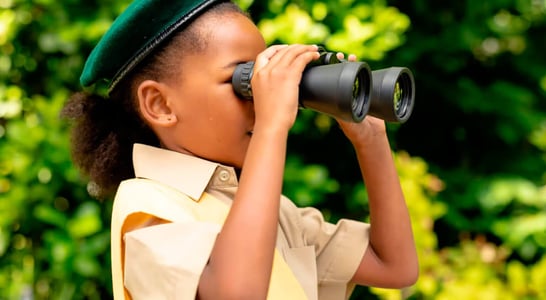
(135, 34)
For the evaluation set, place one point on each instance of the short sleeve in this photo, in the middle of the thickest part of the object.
(339, 247)
(166, 261)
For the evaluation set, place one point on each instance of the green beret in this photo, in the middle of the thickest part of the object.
(135, 34)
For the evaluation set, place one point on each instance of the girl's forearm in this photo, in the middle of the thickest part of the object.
(391, 234)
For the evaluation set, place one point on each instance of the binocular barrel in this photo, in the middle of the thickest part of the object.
(346, 90)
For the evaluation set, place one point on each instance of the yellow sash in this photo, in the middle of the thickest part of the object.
(135, 212)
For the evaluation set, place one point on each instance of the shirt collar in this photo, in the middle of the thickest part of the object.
(186, 173)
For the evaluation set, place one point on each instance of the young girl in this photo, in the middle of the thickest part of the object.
(197, 171)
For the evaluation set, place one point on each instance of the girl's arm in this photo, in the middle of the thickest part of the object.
(391, 259)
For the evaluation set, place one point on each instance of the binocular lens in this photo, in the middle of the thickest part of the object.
(397, 101)
(356, 93)
(403, 98)
(393, 94)
(360, 95)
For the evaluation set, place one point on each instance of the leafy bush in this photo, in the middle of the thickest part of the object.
(472, 157)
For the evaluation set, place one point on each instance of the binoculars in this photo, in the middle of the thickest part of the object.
(346, 90)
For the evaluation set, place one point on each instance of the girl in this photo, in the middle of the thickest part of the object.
(198, 210)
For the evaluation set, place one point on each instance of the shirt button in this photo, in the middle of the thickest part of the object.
(224, 175)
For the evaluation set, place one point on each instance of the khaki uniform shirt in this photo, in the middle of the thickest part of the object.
(162, 256)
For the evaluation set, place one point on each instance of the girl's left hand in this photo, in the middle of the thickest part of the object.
(368, 129)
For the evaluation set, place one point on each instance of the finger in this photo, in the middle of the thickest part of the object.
(296, 58)
(263, 58)
(289, 55)
(341, 57)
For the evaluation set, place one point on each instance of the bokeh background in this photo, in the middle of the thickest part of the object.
(472, 157)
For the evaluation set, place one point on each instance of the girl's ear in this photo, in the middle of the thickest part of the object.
(153, 104)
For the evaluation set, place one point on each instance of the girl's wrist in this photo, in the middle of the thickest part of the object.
(370, 145)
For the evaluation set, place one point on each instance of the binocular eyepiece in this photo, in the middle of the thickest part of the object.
(346, 90)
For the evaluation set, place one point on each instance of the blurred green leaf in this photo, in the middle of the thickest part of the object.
(86, 221)
(50, 215)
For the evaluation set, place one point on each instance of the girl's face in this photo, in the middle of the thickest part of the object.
(213, 123)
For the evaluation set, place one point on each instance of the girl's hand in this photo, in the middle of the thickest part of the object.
(368, 130)
(275, 84)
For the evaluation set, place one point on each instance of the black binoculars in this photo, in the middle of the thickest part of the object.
(346, 90)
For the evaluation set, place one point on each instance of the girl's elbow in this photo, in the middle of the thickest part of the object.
(406, 277)
(410, 278)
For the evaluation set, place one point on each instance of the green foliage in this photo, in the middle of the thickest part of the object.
(472, 157)
(524, 229)
(54, 239)
(476, 270)
(368, 30)
(54, 243)
(482, 61)
(308, 183)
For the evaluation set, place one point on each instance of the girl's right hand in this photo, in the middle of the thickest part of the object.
(275, 84)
